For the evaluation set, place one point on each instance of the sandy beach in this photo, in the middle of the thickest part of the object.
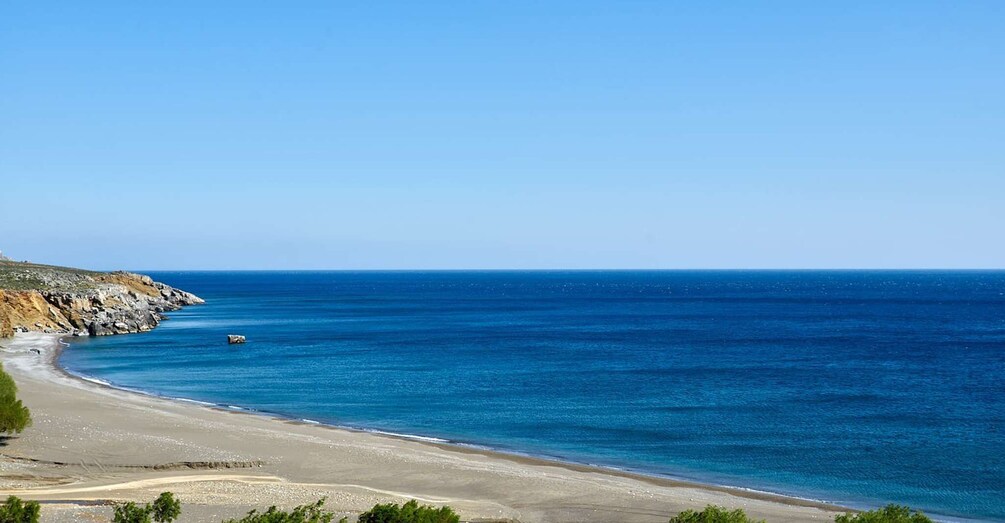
(91, 444)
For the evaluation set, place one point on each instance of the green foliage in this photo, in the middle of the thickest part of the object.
(131, 513)
(410, 512)
(25, 276)
(7, 385)
(887, 514)
(14, 416)
(713, 514)
(313, 513)
(165, 509)
(16, 511)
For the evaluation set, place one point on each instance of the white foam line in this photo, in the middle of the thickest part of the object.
(407, 436)
(186, 400)
(95, 380)
(141, 392)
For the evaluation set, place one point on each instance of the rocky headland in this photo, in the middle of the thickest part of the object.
(45, 298)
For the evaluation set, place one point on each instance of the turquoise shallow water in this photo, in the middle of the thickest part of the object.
(855, 387)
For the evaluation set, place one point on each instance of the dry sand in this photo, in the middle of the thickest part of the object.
(92, 444)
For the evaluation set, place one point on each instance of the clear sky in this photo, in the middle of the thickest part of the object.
(471, 134)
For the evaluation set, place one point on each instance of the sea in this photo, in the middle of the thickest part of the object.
(855, 387)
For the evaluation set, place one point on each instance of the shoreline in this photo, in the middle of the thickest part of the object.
(457, 446)
(672, 495)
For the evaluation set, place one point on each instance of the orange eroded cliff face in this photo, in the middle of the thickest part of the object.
(135, 282)
(30, 310)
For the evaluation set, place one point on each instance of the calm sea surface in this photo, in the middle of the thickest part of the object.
(854, 387)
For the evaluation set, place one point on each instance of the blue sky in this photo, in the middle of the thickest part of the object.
(310, 135)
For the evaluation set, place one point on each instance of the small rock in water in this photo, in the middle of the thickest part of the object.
(235, 338)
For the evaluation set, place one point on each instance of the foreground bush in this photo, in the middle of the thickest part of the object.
(887, 514)
(14, 417)
(713, 514)
(313, 513)
(164, 509)
(16, 511)
(410, 512)
(131, 513)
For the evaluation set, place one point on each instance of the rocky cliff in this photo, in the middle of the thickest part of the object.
(57, 299)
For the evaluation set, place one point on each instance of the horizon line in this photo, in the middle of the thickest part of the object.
(591, 269)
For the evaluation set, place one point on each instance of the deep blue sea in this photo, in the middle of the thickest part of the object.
(861, 388)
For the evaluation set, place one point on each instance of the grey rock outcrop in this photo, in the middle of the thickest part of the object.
(98, 304)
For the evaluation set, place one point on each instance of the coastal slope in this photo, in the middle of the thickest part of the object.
(50, 299)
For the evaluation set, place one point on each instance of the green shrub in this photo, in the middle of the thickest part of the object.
(312, 513)
(410, 512)
(713, 514)
(7, 385)
(14, 417)
(16, 511)
(165, 509)
(887, 514)
(131, 513)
